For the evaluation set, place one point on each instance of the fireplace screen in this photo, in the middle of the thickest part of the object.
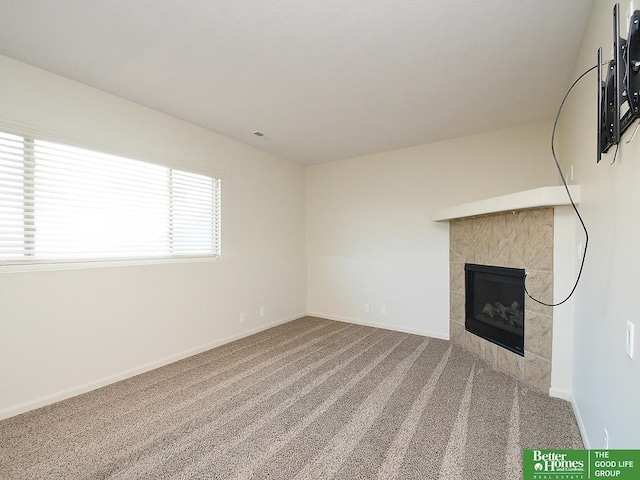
(495, 305)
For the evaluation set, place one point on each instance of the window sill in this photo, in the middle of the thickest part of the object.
(81, 265)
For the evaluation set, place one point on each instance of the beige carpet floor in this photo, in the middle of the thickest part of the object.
(311, 399)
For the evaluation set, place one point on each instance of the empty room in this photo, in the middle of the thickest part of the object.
(314, 240)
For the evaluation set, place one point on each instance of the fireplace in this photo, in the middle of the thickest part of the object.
(522, 239)
(494, 306)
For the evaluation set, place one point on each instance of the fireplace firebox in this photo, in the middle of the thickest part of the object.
(494, 303)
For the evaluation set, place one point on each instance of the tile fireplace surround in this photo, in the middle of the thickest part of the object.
(489, 232)
(521, 239)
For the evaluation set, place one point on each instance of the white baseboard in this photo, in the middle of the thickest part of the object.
(568, 396)
(384, 326)
(87, 387)
(583, 430)
(560, 393)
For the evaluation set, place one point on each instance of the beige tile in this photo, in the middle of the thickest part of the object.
(456, 305)
(505, 254)
(455, 254)
(473, 344)
(500, 229)
(456, 275)
(456, 230)
(492, 240)
(538, 253)
(507, 258)
(541, 216)
(497, 221)
(459, 241)
(540, 286)
(490, 353)
(537, 373)
(501, 256)
(483, 248)
(474, 225)
(512, 221)
(474, 256)
(461, 244)
(462, 247)
(511, 258)
(533, 242)
(456, 333)
(477, 226)
(510, 363)
(538, 331)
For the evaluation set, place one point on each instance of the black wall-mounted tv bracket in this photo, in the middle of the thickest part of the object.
(633, 75)
(613, 92)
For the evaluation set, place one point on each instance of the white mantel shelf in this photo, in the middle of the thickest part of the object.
(538, 197)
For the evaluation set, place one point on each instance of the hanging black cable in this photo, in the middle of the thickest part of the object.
(564, 182)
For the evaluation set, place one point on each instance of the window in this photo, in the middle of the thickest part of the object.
(61, 203)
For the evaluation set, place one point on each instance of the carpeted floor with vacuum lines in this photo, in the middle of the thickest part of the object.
(310, 399)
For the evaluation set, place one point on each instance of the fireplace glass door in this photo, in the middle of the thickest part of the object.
(494, 299)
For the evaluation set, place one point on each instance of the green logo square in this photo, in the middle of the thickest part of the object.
(580, 464)
(555, 464)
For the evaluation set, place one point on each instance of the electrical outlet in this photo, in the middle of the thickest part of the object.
(383, 310)
(571, 175)
(243, 317)
(366, 308)
(630, 330)
(606, 439)
(262, 311)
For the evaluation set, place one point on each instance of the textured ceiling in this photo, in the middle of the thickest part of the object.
(324, 80)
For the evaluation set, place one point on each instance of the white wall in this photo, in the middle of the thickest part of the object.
(63, 332)
(606, 383)
(370, 238)
(565, 268)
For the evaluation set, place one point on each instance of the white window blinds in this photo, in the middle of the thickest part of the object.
(62, 203)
